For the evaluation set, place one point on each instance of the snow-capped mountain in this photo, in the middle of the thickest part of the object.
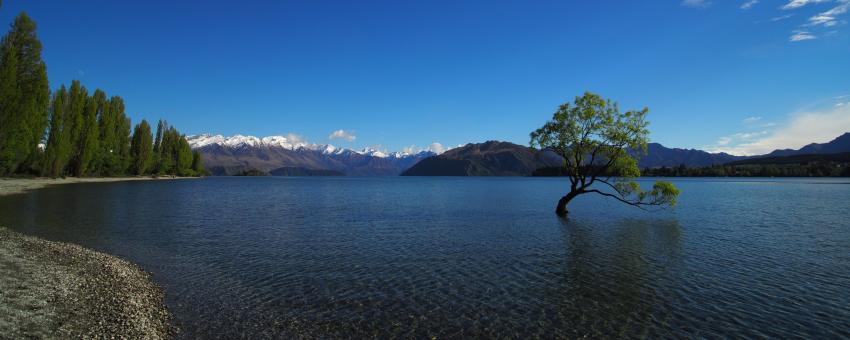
(230, 155)
(289, 143)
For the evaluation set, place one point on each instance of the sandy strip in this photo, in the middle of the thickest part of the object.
(58, 290)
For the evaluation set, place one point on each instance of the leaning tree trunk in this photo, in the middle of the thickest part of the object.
(561, 209)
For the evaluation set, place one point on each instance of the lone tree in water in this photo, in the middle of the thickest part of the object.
(598, 144)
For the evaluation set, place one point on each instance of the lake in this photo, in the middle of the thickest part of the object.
(415, 257)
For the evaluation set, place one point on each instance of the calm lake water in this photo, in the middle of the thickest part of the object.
(468, 257)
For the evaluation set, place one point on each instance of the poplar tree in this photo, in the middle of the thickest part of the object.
(198, 164)
(8, 98)
(99, 159)
(122, 135)
(58, 148)
(141, 148)
(157, 147)
(88, 140)
(25, 106)
(75, 119)
(184, 157)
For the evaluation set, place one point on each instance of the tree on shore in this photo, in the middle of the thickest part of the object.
(24, 97)
(141, 148)
(198, 164)
(595, 139)
(58, 148)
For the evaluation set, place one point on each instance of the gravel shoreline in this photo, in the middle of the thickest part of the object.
(9, 186)
(59, 290)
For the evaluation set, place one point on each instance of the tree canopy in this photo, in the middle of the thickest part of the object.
(599, 144)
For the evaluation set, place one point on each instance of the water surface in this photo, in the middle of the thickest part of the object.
(468, 257)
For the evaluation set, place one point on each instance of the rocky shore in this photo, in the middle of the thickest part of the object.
(62, 291)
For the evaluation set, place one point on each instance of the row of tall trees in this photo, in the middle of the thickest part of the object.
(73, 132)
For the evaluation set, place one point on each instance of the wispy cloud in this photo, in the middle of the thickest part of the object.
(793, 4)
(802, 36)
(799, 130)
(740, 138)
(434, 147)
(830, 18)
(781, 17)
(751, 120)
(342, 134)
(749, 4)
(696, 3)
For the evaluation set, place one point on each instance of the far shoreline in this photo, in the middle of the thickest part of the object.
(17, 185)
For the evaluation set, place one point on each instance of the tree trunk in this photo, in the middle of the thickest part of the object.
(561, 209)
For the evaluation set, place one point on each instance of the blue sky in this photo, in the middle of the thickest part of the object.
(716, 75)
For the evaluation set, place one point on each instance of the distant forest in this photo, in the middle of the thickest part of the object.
(826, 165)
(71, 132)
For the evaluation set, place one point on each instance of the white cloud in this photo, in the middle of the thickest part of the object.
(437, 148)
(800, 3)
(830, 18)
(751, 120)
(342, 134)
(801, 36)
(296, 139)
(739, 138)
(749, 4)
(696, 3)
(410, 149)
(800, 129)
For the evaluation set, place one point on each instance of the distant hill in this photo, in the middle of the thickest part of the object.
(659, 155)
(837, 145)
(492, 158)
(843, 157)
(495, 158)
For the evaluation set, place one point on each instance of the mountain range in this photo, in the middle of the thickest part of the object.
(280, 155)
(502, 158)
(837, 145)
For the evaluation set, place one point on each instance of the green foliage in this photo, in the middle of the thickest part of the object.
(24, 96)
(198, 164)
(184, 157)
(595, 138)
(78, 97)
(141, 148)
(58, 148)
(88, 141)
(9, 120)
